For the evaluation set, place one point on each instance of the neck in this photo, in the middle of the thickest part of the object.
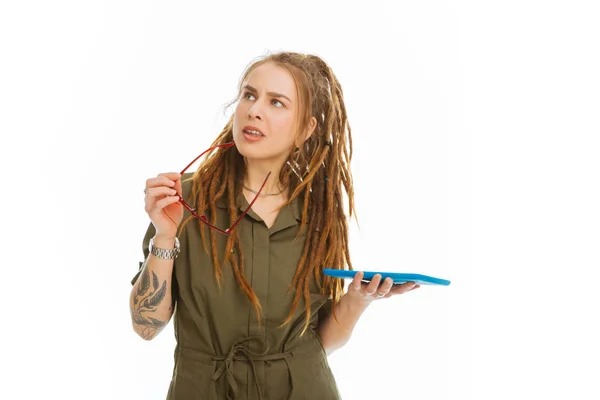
(256, 172)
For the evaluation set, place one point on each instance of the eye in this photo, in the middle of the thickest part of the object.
(245, 96)
(277, 101)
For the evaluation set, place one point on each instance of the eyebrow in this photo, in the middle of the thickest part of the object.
(273, 94)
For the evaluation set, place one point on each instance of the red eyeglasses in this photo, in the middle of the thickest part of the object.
(202, 217)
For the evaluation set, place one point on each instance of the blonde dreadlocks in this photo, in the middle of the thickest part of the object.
(319, 173)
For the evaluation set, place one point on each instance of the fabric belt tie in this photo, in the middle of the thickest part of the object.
(239, 352)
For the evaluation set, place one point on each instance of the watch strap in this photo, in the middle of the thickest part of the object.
(165, 254)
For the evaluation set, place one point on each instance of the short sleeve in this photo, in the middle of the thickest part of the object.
(150, 232)
(325, 310)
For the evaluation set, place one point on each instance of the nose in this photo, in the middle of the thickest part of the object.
(255, 111)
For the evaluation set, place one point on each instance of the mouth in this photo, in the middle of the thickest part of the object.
(252, 130)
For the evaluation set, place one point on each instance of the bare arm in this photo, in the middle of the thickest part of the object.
(150, 301)
(334, 335)
(353, 304)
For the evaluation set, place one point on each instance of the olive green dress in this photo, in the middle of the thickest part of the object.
(222, 352)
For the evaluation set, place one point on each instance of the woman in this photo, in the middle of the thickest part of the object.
(256, 317)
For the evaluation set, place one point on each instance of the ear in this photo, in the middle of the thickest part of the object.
(312, 124)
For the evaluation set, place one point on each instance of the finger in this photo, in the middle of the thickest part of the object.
(175, 177)
(171, 175)
(162, 180)
(402, 288)
(177, 187)
(356, 283)
(153, 195)
(160, 191)
(160, 204)
(154, 208)
(373, 285)
(385, 288)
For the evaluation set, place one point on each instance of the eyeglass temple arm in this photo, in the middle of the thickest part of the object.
(204, 152)
(229, 144)
(202, 218)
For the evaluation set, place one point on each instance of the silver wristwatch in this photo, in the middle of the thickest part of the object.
(164, 253)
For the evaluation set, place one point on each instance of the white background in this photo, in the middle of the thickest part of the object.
(476, 160)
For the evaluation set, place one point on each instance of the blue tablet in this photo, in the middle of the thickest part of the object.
(398, 277)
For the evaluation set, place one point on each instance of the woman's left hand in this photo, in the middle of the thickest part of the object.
(366, 292)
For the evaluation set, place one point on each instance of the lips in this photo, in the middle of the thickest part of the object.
(253, 130)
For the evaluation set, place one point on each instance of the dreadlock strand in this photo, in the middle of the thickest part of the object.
(234, 239)
(296, 299)
(229, 174)
(306, 293)
(212, 189)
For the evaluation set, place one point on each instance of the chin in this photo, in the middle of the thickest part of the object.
(250, 152)
(241, 145)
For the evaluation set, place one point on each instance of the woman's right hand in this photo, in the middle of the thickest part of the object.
(162, 203)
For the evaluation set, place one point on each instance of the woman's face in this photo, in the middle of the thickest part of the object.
(268, 104)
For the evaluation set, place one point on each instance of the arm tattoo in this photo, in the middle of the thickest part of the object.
(148, 296)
